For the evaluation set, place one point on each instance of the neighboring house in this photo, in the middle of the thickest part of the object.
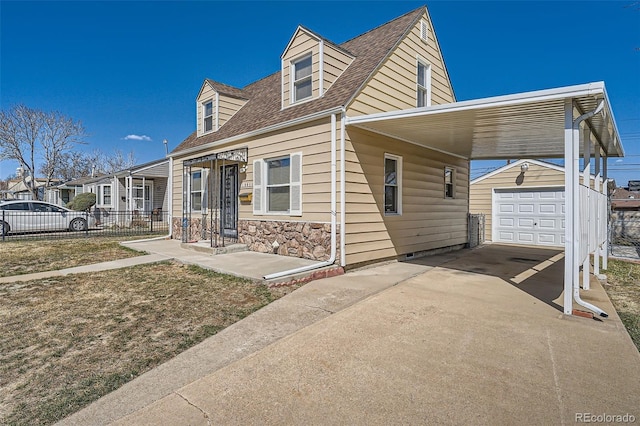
(624, 199)
(260, 159)
(523, 203)
(358, 152)
(17, 189)
(141, 190)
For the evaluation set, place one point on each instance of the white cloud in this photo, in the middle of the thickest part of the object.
(137, 138)
(619, 161)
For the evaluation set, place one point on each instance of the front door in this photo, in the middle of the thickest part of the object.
(229, 197)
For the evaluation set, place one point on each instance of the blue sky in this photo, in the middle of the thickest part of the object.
(135, 68)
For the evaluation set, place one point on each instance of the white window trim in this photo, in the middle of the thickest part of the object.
(427, 88)
(100, 195)
(453, 182)
(398, 160)
(261, 190)
(203, 190)
(214, 113)
(292, 78)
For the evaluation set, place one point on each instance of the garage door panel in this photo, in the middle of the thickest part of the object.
(525, 222)
(507, 222)
(509, 237)
(549, 208)
(525, 237)
(550, 224)
(525, 208)
(532, 216)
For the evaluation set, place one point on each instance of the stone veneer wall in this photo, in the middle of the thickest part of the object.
(194, 229)
(297, 239)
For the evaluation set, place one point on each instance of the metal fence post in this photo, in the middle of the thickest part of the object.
(4, 231)
(86, 228)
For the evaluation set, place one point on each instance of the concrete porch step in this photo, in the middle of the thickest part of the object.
(205, 247)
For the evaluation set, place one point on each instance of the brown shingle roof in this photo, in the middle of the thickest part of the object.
(264, 106)
(225, 89)
(623, 199)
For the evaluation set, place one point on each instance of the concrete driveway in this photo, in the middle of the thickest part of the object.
(477, 339)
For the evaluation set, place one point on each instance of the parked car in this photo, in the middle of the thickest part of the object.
(38, 216)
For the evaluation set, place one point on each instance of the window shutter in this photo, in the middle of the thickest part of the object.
(295, 208)
(258, 187)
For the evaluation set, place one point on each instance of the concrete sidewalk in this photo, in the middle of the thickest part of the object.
(471, 338)
(244, 264)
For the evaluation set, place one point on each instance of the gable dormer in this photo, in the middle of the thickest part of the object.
(216, 104)
(310, 65)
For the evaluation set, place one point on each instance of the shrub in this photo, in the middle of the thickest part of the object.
(82, 202)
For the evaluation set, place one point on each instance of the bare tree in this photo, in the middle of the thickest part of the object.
(76, 164)
(59, 135)
(118, 161)
(26, 132)
(20, 129)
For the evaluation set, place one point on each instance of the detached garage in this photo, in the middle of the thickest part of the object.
(523, 203)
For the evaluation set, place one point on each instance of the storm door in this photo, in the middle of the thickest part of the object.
(229, 200)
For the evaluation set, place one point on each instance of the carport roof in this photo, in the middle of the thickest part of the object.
(522, 125)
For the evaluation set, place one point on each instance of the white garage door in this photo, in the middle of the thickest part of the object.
(529, 216)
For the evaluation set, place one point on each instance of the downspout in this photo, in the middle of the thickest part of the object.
(576, 281)
(170, 208)
(332, 257)
(343, 188)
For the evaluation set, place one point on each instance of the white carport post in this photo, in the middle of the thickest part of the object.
(598, 218)
(586, 181)
(605, 191)
(570, 187)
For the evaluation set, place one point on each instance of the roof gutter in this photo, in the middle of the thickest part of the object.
(576, 282)
(258, 132)
(559, 94)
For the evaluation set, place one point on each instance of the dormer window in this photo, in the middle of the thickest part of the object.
(207, 116)
(302, 78)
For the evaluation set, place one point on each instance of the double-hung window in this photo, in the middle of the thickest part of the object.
(392, 185)
(277, 185)
(301, 72)
(104, 196)
(449, 182)
(207, 114)
(423, 84)
(195, 189)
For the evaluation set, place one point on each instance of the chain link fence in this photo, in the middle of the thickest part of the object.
(625, 234)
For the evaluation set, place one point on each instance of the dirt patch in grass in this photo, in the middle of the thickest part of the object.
(66, 341)
(26, 257)
(623, 288)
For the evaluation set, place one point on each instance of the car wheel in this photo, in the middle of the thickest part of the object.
(78, 224)
(4, 228)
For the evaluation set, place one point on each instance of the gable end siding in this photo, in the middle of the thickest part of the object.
(393, 85)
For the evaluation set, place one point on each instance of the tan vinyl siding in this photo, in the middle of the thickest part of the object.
(206, 94)
(335, 62)
(480, 197)
(301, 44)
(428, 220)
(313, 140)
(228, 106)
(393, 85)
